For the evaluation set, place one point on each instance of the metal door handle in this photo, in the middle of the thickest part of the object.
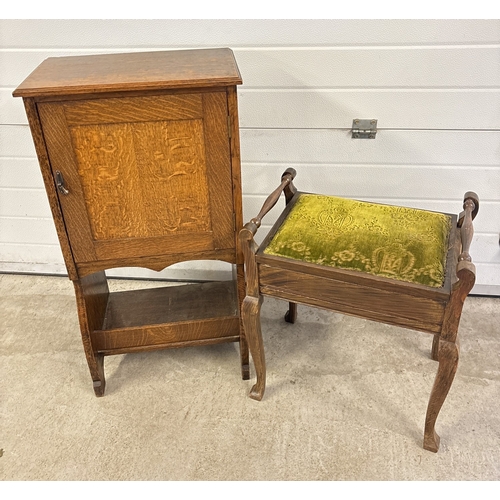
(60, 183)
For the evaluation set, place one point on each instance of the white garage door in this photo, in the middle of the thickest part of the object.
(432, 86)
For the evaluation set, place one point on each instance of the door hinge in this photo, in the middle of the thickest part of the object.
(364, 129)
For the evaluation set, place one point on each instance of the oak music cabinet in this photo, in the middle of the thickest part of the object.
(140, 158)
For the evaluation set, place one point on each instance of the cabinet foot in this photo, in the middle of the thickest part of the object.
(99, 387)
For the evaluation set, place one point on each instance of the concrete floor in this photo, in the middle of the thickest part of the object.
(346, 400)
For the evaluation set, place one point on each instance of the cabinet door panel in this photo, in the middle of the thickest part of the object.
(145, 179)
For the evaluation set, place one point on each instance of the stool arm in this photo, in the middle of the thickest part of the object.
(246, 234)
(469, 196)
(287, 186)
(465, 271)
(471, 207)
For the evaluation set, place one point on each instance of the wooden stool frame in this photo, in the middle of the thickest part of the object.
(433, 310)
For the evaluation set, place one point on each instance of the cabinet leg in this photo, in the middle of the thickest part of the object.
(98, 379)
(91, 300)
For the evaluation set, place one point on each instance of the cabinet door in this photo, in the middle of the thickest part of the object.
(144, 175)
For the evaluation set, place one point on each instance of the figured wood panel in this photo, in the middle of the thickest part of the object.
(147, 182)
(143, 179)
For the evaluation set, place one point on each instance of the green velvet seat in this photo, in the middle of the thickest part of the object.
(395, 242)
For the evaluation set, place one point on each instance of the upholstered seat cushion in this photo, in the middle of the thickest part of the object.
(395, 242)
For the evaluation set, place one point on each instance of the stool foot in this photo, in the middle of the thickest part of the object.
(291, 314)
(431, 442)
(245, 372)
(257, 392)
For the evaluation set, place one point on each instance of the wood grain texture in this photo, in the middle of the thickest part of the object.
(448, 354)
(148, 185)
(164, 337)
(43, 158)
(238, 270)
(396, 308)
(251, 321)
(137, 71)
(127, 109)
(355, 278)
(219, 168)
(143, 179)
(147, 338)
(144, 153)
(62, 158)
(92, 295)
(171, 304)
(156, 262)
(160, 316)
(234, 134)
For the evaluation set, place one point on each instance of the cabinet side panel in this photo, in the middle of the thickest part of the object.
(43, 160)
(219, 168)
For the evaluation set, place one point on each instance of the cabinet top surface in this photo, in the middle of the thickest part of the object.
(131, 72)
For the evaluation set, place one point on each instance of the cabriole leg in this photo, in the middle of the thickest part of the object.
(435, 347)
(448, 361)
(251, 322)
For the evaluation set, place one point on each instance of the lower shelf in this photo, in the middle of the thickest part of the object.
(172, 316)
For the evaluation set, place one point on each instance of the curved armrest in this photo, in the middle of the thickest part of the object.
(466, 270)
(286, 186)
(471, 207)
(248, 231)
